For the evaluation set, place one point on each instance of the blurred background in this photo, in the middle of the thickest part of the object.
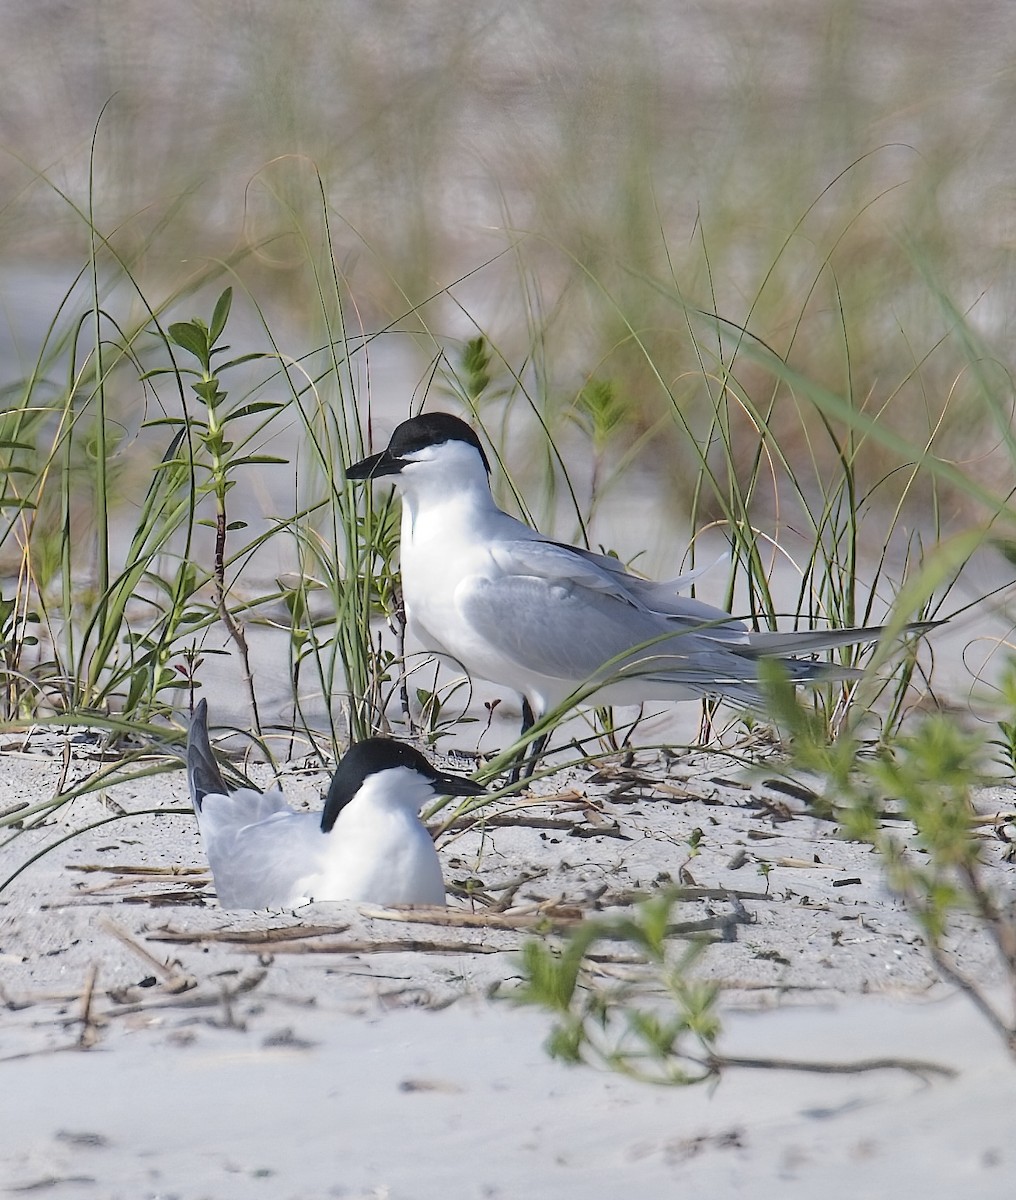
(574, 183)
(803, 168)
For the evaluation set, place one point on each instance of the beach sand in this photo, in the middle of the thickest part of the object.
(155, 1046)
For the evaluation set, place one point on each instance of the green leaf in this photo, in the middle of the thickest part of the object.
(258, 406)
(192, 337)
(164, 371)
(235, 362)
(598, 406)
(220, 315)
(257, 458)
(165, 421)
(208, 390)
(565, 1043)
(476, 366)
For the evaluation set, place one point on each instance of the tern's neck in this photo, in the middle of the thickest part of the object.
(458, 495)
(400, 792)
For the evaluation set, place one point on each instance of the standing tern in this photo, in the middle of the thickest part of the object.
(368, 844)
(547, 619)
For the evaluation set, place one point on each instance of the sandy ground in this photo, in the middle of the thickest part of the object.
(340, 1053)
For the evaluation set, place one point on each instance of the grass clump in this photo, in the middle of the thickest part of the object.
(669, 1039)
(208, 455)
(660, 1024)
(912, 802)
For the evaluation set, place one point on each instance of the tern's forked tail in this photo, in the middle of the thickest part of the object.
(203, 775)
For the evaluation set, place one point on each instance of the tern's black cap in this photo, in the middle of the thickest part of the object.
(428, 429)
(373, 755)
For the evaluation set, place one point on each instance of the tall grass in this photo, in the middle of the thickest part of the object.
(111, 611)
(113, 595)
(775, 321)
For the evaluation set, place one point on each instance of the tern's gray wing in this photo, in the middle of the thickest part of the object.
(263, 864)
(767, 644)
(226, 810)
(657, 594)
(569, 632)
(227, 813)
(556, 562)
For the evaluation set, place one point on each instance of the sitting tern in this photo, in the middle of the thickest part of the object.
(547, 619)
(368, 844)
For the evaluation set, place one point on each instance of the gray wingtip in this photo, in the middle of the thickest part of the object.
(203, 775)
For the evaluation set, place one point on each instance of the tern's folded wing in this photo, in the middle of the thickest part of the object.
(563, 630)
(662, 589)
(559, 563)
(555, 562)
(229, 812)
(265, 864)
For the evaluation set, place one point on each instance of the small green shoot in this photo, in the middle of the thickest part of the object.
(935, 860)
(213, 453)
(660, 1026)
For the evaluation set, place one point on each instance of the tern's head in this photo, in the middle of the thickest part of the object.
(432, 446)
(394, 773)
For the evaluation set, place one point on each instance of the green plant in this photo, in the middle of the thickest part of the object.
(659, 1026)
(936, 863)
(434, 721)
(1005, 744)
(203, 449)
(17, 640)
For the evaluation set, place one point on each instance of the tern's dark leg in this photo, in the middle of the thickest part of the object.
(528, 716)
(536, 748)
(525, 764)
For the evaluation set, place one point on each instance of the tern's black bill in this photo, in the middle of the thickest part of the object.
(455, 785)
(375, 466)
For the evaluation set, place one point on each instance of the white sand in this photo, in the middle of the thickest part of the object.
(372, 1069)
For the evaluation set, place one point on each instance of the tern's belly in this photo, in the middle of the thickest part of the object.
(436, 621)
(442, 566)
(442, 629)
